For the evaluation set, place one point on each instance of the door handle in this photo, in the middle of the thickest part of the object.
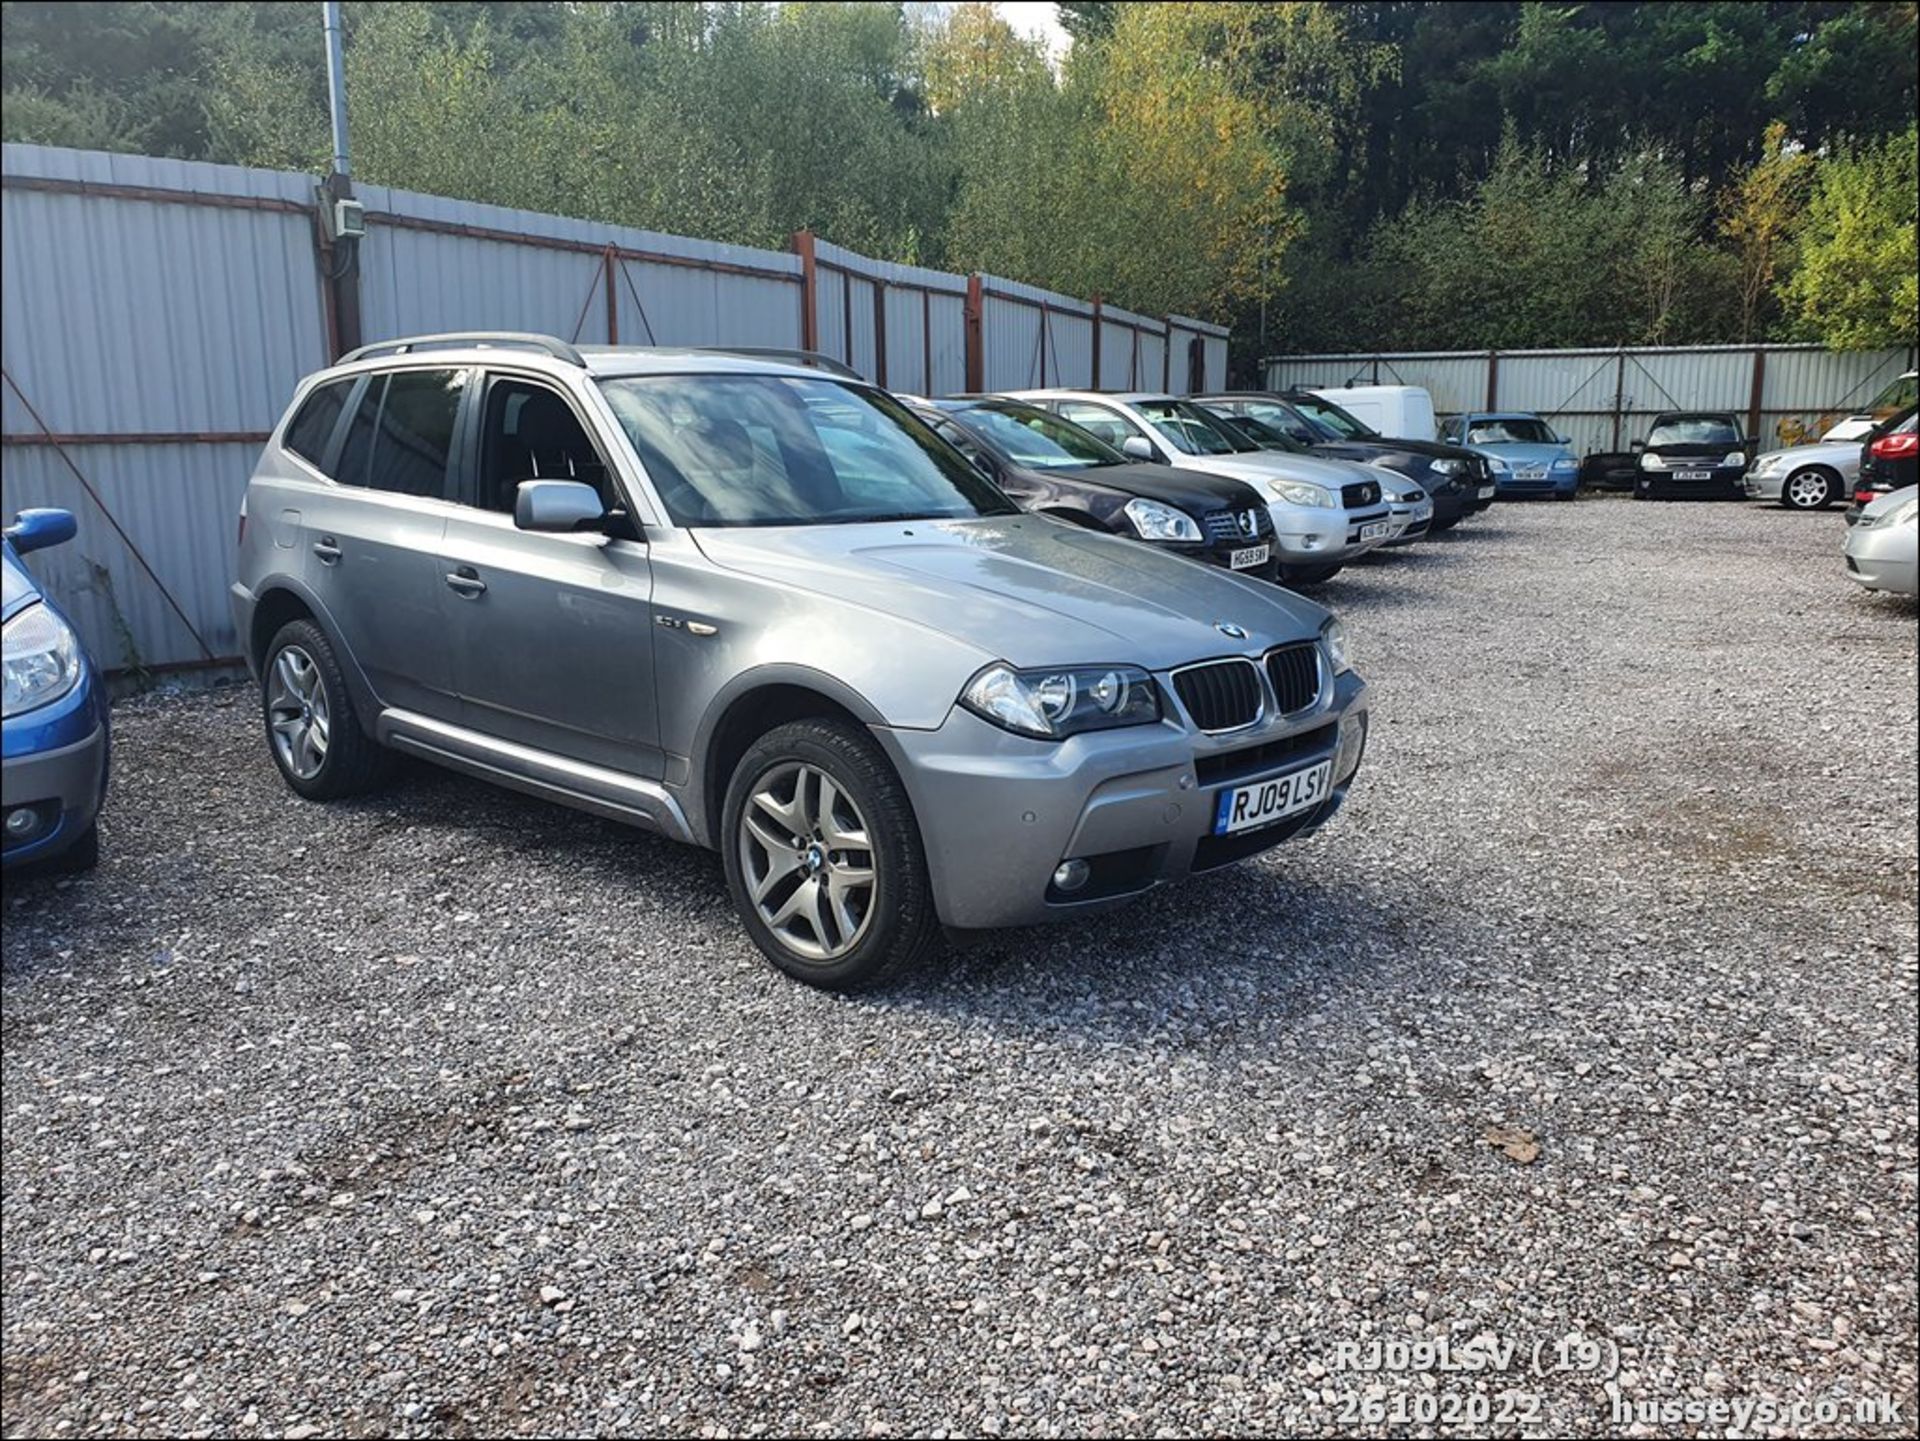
(466, 580)
(327, 549)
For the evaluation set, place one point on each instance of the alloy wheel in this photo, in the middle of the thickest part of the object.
(808, 862)
(1807, 491)
(297, 713)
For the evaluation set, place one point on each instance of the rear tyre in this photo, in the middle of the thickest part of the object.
(1809, 489)
(1308, 574)
(824, 858)
(313, 733)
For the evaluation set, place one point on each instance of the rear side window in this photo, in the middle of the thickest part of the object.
(312, 428)
(401, 435)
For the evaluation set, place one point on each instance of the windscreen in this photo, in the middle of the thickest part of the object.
(749, 450)
(1344, 424)
(1510, 430)
(1188, 430)
(1037, 438)
(1694, 430)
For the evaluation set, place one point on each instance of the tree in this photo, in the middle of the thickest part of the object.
(1855, 286)
(1759, 212)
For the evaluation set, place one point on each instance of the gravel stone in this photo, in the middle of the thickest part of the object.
(1630, 869)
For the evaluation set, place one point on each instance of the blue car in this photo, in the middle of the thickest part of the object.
(1528, 456)
(55, 715)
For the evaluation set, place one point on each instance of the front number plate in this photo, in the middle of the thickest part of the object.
(1374, 530)
(1246, 808)
(1693, 475)
(1252, 555)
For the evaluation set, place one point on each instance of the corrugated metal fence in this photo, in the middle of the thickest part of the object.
(157, 314)
(1604, 399)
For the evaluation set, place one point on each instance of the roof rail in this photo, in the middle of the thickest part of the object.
(479, 339)
(793, 357)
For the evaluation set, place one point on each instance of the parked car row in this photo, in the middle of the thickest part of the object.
(907, 664)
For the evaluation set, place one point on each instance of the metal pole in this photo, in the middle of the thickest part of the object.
(336, 86)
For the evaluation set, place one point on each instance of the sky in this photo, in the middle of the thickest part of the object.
(1037, 19)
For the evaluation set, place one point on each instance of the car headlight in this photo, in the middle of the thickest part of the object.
(1566, 462)
(1650, 461)
(1496, 465)
(1768, 464)
(1298, 492)
(42, 659)
(1154, 521)
(1054, 704)
(1902, 514)
(1735, 457)
(1333, 635)
(1447, 465)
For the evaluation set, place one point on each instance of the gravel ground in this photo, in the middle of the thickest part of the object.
(453, 1113)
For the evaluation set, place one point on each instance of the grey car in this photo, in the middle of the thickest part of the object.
(1804, 477)
(758, 608)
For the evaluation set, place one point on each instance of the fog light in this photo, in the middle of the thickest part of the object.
(1071, 875)
(23, 824)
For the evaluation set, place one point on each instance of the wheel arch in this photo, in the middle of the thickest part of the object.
(284, 600)
(750, 706)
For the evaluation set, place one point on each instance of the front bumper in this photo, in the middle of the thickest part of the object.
(1722, 482)
(1319, 535)
(998, 813)
(1756, 486)
(1536, 484)
(56, 761)
(1411, 523)
(1882, 558)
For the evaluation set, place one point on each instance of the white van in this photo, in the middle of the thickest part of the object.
(1399, 412)
(1897, 396)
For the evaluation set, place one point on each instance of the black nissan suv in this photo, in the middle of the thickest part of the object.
(1052, 466)
(1456, 478)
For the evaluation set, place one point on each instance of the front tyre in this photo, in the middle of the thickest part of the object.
(1808, 490)
(313, 734)
(824, 859)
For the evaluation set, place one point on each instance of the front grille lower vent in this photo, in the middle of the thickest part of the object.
(1245, 526)
(1220, 696)
(1295, 673)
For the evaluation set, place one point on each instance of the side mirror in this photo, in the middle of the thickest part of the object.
(37, 529)
(1637, 446)
(1137, 447)
(562, 506)
(1564, 439)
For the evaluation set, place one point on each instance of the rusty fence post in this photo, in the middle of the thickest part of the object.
(976, 356)
(802, 245)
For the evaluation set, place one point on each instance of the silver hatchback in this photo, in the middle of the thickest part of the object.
(763, 609)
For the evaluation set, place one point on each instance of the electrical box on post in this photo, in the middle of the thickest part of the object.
(341, 216)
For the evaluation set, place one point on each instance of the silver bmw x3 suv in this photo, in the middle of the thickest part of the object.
(766, 610)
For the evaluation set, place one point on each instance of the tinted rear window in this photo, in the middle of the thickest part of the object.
(402, 433)
(312, 428)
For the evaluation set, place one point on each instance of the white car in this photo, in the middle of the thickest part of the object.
(1325, 512)
(1804, 477)
(1883, 547)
